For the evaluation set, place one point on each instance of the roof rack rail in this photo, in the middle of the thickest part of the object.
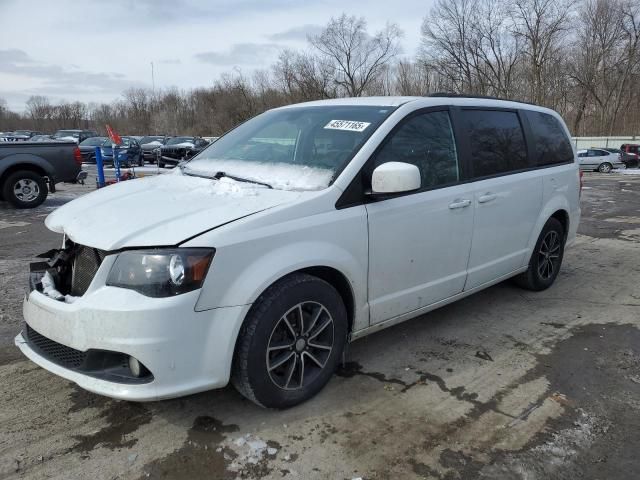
(483, 97)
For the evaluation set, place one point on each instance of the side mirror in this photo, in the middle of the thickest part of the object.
(395, 177)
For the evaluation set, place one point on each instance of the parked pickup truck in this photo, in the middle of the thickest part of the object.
(28, 171)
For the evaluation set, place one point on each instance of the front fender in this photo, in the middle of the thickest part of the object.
(242, 270)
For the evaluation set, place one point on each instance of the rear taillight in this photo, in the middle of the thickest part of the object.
(581, 183)
(77, 156)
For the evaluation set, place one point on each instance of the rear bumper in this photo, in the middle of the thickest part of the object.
(186, 351)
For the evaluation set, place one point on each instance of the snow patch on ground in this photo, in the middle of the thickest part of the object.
(5, 224)
(554, 456)
(628, 171)
(250, 450)
(281, 176)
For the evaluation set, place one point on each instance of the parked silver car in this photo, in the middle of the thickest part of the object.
(599, 160)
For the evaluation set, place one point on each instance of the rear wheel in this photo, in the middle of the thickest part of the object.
(160, 164)
(605, 167)
(290, 342)
(140, 160)
(546, 258)
(25, 189)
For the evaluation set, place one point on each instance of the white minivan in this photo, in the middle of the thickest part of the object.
(302, 229)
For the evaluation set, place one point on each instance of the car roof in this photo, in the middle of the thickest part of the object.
(425, 102)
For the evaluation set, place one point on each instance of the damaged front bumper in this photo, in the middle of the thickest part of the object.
(182, 351)
(185, 351)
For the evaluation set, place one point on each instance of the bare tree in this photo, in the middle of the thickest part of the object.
(541, 25)
(357, 58)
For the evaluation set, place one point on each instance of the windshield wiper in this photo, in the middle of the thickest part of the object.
(219, 175)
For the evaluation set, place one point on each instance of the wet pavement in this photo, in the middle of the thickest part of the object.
(505, 384)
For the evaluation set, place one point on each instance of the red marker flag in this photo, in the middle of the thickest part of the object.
(115, 138)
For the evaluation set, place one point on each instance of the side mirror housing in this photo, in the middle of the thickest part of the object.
(395, 177)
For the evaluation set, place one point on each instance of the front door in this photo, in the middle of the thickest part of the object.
(419, 242)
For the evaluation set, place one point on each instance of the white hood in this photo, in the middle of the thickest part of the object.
(160, 211)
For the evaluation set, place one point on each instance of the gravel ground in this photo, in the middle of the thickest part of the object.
(503, 384)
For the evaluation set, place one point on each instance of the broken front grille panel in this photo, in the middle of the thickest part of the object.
(86, 262)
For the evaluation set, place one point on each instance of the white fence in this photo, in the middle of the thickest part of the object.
(613, 142)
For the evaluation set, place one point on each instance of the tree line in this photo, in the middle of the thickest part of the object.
(579, 57)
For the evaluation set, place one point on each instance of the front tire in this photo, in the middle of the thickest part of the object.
(546, 259)
(25, 189)
(605, 167)
(290, 343)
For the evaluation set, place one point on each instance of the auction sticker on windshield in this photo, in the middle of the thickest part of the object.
(350, 125)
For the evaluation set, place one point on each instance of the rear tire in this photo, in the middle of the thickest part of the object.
(290, 342)
(25, 189)
(140, 160)
(605, 167)
(546, 259)
(161, 164)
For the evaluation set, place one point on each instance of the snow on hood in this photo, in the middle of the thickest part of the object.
(160, 210)
(183, 144)
(282, 176)
(154, 142)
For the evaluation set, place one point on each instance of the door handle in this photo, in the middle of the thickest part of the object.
(459, 203)
(487, 197)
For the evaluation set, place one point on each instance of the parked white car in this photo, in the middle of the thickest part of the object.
(599, 160)
(306, 227)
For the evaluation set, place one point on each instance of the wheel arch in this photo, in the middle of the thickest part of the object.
(563, 217)
(557, 207)
(339, 281)
(16, 167)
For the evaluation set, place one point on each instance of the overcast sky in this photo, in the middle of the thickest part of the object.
(92, 50)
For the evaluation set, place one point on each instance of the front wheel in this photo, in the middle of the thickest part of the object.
(25, 189)
(605, 167)
(546, 259)
(290, 342)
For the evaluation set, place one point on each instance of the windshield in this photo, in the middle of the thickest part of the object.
(177, 140)
(145, 140)
(299, 148)
(93, 142)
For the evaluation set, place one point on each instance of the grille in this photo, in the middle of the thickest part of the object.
(55, 352)
(85, 265)
(177, 153)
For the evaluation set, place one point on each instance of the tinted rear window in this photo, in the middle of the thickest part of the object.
(496, 141)
(552, 145)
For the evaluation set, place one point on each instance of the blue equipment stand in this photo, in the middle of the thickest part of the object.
(100, 168)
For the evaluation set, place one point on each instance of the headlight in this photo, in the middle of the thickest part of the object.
(162, 272)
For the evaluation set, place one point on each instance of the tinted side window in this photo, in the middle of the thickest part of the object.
(552, 146)
(496, 141)
(425, 140)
